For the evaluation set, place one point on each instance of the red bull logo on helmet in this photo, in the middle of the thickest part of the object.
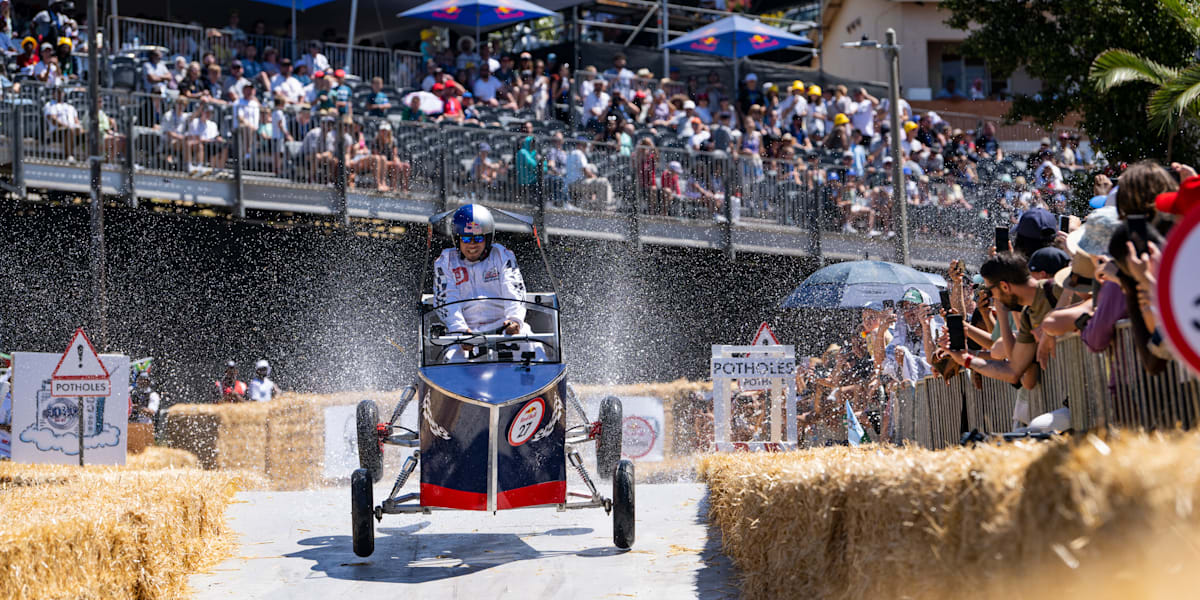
(505, 13)
(450, 13)
(473, 228)
(708, 44)
(759, 41)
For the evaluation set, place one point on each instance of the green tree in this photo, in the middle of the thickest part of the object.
(1056, 42)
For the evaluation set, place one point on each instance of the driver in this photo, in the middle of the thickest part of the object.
(478, 268)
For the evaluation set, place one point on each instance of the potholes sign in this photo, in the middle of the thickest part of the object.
(763, 337)
(79, 372)
(1179, 289)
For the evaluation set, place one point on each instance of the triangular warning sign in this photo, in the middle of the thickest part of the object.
(765, 337)
(80, 360)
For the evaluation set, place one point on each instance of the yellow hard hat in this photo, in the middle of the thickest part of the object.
(428, 34)
(65, 41)
(798, 85)
(840, 119)
(814, 90)
(909, 126)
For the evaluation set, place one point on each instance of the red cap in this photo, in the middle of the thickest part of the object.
(319, 74)
(437, 87)
(340, 74)
(1182, 201)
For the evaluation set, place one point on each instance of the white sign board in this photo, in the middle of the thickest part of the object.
(776, 366)
(45, 428)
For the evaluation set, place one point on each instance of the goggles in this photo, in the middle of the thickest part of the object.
(472, 239)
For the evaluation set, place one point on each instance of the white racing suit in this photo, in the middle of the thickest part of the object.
(495, 276)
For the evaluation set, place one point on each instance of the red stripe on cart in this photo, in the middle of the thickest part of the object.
(436, 495)
(551, 492)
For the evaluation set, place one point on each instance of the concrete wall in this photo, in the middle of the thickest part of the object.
(915, 23)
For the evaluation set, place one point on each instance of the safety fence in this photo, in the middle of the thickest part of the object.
(1101, 389)
(134, 37)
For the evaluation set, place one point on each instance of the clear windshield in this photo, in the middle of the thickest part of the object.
(487, 341)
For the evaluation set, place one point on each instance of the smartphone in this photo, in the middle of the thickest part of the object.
(944, 295)
(958, 338)
(1064, 223)
(1001, 239)
(1137, 232)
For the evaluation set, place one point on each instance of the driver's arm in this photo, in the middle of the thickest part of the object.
(446, 291)
(513, 288)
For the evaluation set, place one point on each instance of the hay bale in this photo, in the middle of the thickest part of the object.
(1106, 519)
(222, 436)
(109, 532)
(141, 435)
(158, 457)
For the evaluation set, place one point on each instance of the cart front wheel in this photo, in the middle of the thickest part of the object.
(370, 451)
(608, 447)
(622, 511)
(362, 510)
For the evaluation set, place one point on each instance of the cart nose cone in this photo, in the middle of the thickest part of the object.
(493, 383)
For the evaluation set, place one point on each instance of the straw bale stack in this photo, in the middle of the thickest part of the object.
(109, 532)
(1079, 519)
(222, 436)
(158, 457)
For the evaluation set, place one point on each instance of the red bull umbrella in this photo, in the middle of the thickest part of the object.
(476, 13)
(736, 37)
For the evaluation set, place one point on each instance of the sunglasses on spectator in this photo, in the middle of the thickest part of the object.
(472, 239)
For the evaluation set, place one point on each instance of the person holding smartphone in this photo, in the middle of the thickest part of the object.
(909, 354)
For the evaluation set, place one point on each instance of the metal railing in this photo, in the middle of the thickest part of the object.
(1102, 389)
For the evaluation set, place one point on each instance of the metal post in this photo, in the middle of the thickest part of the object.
(575, 89)
(539, 195)
(81, 408)
(99, 291)
(898, 191)
(664, 37)
(340, 183)
(727, 229)
(127, 122)
(295, 53)
(239, 206)
(350, 40)
(814, 209)
(18, 152)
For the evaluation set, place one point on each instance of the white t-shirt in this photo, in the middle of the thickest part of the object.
(204, 129)
(905, 109)
(248, 111)
(485, 89)
(290, 87)
(174, 121)
(261, 390)
(862, 117)
(317, 63)
(594, 102)
(64, 113)
(159, 70)
(53, 79)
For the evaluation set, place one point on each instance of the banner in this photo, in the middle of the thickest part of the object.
(642, 431)
(45, 429)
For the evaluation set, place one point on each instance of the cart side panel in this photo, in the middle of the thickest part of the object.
(453, 470)
(534, 470)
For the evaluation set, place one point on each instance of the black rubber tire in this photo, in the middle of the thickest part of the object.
(362, 512)
(623, 500)
(370, 453)
(608, 447)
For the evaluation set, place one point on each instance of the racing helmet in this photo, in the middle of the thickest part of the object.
(473, 219)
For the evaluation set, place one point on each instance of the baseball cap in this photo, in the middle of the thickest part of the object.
(1036, 224)
(874, 305)
(437, 87)
(285, 61)
(235, 63)
(1181, 201)
(485, 147)
(675, 166)
(689, 105)
(318, 74)
(340, 73)
(231, 364)
(1097, 229)
(913, 295)
(751, 77)
(385, 126)
(262, 364)
(1050, 260)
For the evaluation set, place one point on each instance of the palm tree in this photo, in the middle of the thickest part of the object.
(1176, 95)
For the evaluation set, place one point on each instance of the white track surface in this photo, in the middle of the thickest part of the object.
(297, 545)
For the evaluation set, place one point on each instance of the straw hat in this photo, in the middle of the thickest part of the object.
(1077, 276)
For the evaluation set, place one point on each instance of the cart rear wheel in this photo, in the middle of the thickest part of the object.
(362, 510)
(608, 447)
(622, 510)
(370, 451)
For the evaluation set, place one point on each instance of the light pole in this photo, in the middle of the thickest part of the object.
(892, 50)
